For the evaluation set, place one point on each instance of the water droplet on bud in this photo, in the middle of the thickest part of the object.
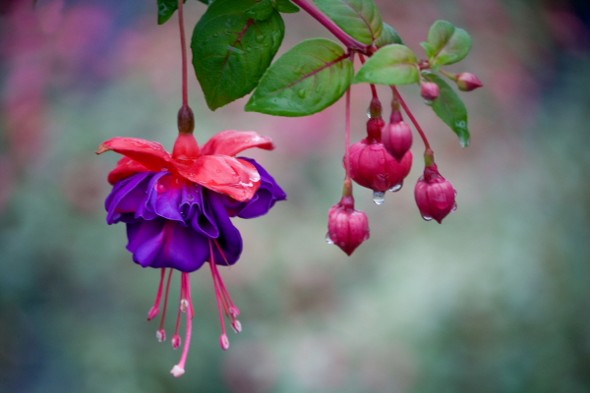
(378, 197)
(161, 335)
(454, 207)
(328, 239)
(427, 218)
(397, 187)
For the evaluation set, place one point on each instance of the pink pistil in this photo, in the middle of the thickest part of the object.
(185, 294)
(225, 304)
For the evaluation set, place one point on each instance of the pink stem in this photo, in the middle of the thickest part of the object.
(332, 27)
(412, 118)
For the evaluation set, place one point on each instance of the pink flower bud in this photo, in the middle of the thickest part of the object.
(347, 227)
(373, 167)
(374, 127)
(429, 91)
(467, 81)
(397, 139)
(435, 195)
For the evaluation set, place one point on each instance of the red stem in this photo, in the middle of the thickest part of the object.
(345, 38)
(412, 118)
(183, 51)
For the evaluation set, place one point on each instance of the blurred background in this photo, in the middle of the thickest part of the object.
(493, 300)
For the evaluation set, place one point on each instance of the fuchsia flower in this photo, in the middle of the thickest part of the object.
(177, 209)
(435, 195)
(348, 228)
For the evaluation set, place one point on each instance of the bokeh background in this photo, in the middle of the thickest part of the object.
(495, 299)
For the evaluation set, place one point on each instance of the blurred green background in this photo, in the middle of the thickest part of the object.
(493, 300)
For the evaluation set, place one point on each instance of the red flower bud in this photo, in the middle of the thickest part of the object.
(397, 139)
(373, 167)
(347, 227)
(429, 91)
(467, 81)
(435, 195)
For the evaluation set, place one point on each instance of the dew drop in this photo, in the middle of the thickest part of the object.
(329, 239)
(454, 207)
(397, 187)
(301, 93)
(378, 197)
(427, 218)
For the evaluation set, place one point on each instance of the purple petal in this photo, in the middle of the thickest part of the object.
(126, 197)
(264, 199)
(228, 246)
(160, 243)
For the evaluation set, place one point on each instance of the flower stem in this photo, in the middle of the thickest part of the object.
(183, 52)
(344, 37)
(347, 135)
(412, 118)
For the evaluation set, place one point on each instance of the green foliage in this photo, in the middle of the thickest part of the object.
(285, 6)
(389, 35)
(166, 9)
(447, 44)
(393, 64)
(450, 108)
(307, 79)
(361, 19)
(233, 44)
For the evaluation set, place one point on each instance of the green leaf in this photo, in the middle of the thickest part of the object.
(450, 108)
(285, 6)
(359, 18)
(389, 35)
(447, 44)
(307, 79)
(208, 2)
(232, 48)
(166, 9)
(391, 65)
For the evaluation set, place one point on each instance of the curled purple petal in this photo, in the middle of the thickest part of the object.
(267, 195)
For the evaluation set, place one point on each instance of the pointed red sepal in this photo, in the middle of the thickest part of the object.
(231, 176)
(231, 142)
(151, 155)
(125, 168)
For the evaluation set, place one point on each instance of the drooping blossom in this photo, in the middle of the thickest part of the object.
(348, 228)
(177, 209)
(435, 195)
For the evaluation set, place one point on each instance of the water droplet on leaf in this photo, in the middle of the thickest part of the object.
(301, 93)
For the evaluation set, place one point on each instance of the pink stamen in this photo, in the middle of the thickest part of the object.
(161, 331)
(155, 310)
(176, 341)
(178, 369)
(225, 303)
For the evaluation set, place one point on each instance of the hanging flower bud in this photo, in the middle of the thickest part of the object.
(373, 167)
(347, 227)
(435, 195)
(429, 91)
(467, 81)
(397, 139)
